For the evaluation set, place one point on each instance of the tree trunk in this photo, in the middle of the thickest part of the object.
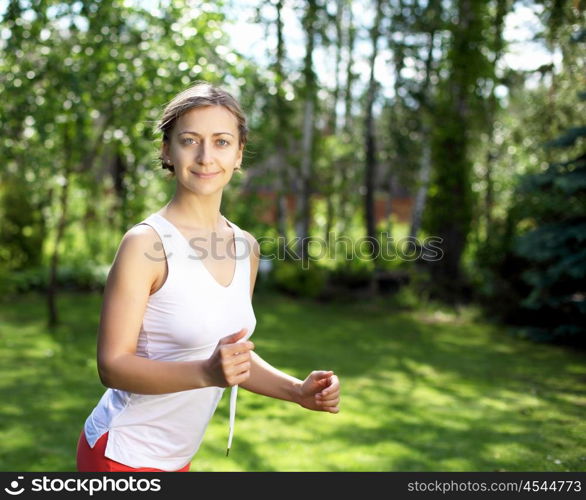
(424, 178)
(425, 165)
(344, 207)
(491, 155)
(304, 184)
(304, 209)
(335, 178)
(52, 286)
(281, 170)
(370, 139)
(452, 208)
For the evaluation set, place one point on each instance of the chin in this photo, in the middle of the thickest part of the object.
(206, 190)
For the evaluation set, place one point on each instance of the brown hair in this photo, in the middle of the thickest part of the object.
(200, 95)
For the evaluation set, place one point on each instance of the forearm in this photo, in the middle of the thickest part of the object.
(268, 381)
(140, 375)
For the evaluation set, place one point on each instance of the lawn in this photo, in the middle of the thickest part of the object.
(424, 390)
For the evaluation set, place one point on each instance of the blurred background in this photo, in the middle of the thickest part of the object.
(442, 140)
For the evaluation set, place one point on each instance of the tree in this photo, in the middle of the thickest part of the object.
(554, 249)
(83, 83)
(432, 18)
(310, 87)
(370, 148)
(450, 208)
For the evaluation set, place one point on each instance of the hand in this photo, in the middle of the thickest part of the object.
(230, 362)
(320, 391)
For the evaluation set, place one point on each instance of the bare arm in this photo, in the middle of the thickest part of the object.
(131, 278)
(125, 296)
(267, 380)
(319, 391)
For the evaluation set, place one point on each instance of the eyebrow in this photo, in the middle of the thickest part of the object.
(195, 133)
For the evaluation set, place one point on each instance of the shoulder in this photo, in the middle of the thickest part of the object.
(141, 245)
(140, 236)
(252, 243)
(139, 262)
(252, 246)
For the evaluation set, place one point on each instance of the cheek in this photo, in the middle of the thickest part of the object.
(228, 158)
(183, 154)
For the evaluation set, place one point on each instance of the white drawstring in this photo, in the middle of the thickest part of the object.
(233, 396)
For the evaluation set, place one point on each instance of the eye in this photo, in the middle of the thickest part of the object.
(223, 142)
(188, 140)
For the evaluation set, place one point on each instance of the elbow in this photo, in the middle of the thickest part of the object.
(106, 373)
(105, 377)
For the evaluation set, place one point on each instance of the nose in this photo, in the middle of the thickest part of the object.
(203, 154)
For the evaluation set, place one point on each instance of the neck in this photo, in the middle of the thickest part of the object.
(196, 211)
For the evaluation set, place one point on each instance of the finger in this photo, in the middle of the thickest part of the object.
(246, 346)
(237, 371)
(234, 368)
(322, 374)
(330, 389)
(235, 337)
(238, 348)
(238, 367)
(329, 402)
(324, 396)
(334, 385)
(328, 405)
(324, 393)
(327, 397)
(237, 359)
(233, 374)
(243, 368)
(325, 379)
(243, 377)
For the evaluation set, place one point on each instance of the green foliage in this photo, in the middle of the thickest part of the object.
(246, 209)
(290, 276)
(80, 277)
(83, 84)
(351, 274)
(535, 262)
(22, 230)
(555, 252)
(458, 114)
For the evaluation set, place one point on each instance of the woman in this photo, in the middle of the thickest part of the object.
(177, 314)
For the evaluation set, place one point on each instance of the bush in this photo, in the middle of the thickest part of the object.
(290, 277)
(352, 274)
(82, 278)
(535, 266)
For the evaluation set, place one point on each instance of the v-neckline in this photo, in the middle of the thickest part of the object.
(225, 287)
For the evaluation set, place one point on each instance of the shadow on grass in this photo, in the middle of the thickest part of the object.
(418, 393)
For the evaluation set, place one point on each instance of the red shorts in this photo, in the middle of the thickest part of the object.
(93, 459)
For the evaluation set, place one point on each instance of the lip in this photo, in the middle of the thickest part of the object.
(206, 176)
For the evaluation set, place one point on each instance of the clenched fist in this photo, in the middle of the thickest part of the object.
(320, 391)
(230, 362)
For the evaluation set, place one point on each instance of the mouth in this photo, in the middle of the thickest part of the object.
(209, 175)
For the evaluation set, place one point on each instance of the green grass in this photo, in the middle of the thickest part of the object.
(425, 390)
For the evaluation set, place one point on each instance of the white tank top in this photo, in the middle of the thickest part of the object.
(183, 321)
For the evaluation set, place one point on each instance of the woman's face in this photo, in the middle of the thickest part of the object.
(203, 147)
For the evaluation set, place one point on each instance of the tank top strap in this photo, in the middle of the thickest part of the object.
(172, 244)
(243, 251)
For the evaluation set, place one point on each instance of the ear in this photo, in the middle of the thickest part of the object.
(164, 151)
(239, 156)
